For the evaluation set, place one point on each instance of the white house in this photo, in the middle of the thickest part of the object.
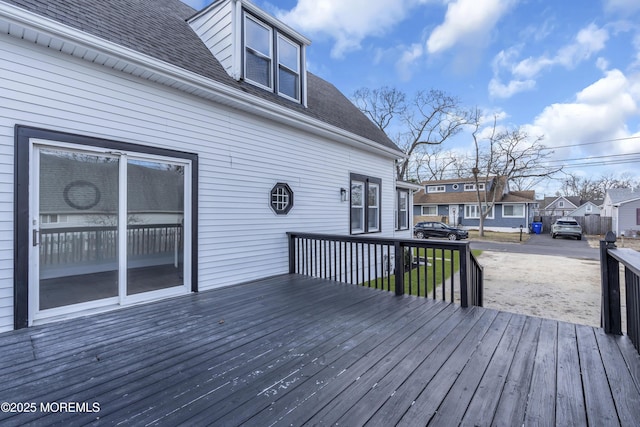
(623, 206)
(150, 150)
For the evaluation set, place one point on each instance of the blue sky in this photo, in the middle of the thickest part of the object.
(568, 72)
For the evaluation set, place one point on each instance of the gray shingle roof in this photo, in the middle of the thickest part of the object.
(158, 28)
(618, 195)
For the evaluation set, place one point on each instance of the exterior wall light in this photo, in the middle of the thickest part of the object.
(343, 194)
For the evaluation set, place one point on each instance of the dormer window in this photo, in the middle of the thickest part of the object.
(268, 54)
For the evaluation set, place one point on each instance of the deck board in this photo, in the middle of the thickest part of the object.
(293, 350)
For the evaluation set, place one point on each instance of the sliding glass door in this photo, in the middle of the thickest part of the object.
(108, 228)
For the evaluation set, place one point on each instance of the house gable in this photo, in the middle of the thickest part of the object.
(222, 27)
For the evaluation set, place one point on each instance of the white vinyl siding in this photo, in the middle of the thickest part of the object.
(215, 29)
(241, 158)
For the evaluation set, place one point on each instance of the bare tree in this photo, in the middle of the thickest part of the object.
(592, 188)
(382, 105)
(504, 156)
(429, 118)
(435, 163)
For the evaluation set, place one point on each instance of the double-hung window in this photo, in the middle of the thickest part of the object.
(403, 210)
(258, 53)
(473, 212)
(365, 204)
(271, 60)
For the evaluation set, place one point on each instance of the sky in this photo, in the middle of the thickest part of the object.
(567, 71)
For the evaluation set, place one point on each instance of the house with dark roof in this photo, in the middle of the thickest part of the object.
(454, 201)
(623, 206)
(568, 206)
(152, 150)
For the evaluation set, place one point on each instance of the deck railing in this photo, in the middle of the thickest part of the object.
(610, 260)
(429, 268)
(68, 245)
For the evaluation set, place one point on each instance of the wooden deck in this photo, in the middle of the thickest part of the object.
(293, 350)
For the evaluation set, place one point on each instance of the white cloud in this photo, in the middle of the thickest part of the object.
(599, 112)
(499, 90)
(626, 7)
(405, 66)
(589, 41)
(348, 22)
(467, 22)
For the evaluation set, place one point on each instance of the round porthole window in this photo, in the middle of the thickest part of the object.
(455, 186)
(281, 198)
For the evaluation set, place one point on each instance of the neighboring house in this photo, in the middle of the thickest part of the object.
(623, 206)
(150, 150)
(587, 208)
(454, 201)
(568, 206)
(558, 206)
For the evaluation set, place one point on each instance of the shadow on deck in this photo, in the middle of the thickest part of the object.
(295, 350)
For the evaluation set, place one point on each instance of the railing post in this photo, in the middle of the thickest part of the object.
(399, 267)
(292, 253)
(610, 279)
(465, 263)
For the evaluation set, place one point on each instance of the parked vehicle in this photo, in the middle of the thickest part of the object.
(566, 226)
(423, 230)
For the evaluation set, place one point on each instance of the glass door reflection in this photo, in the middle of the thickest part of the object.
(76, 233)
(155, 225)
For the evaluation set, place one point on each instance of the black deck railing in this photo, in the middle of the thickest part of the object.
(610, 259)
(428, 268)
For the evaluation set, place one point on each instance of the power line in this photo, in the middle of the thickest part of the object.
(591, 143)
(593, 157)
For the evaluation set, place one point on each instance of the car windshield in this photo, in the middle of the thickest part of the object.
(567, 223)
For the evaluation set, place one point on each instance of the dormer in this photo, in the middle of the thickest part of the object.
(255, 47)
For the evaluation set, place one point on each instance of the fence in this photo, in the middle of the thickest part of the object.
(440, 269)
(591, 225)
(610, 260)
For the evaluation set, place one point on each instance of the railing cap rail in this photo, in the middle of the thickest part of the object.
(438, 244)
(629, 257)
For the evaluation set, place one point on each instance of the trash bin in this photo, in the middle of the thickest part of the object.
(537, 227)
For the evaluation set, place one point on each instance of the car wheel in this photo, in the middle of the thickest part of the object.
(452, 237)
(553, 236)
(579, 237)
(420, 235)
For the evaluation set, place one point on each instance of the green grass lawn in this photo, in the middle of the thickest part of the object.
(422, 277)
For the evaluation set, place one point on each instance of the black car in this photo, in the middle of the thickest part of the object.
(423, 230)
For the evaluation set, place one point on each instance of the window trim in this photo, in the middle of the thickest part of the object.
(366, 181)
(400, 214)
(275, 34)
(246, 47)
(22, 202)
(279, 191)
(429, 206)
(491, 214)
(472, 187)
(524, 210)
(296, 72)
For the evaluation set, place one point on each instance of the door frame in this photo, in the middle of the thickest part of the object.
(23, 197)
